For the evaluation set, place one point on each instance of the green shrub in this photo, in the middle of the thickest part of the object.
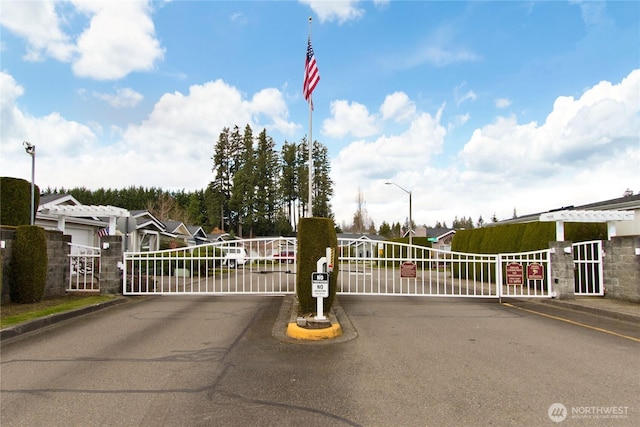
(15, 194)
(460, 242)
(537, 236)
(585, 231)
(314, 236)
(28, 265)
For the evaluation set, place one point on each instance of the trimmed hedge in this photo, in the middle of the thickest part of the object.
(28, 268)
(314, 236)
(15, 194)
(530, 236)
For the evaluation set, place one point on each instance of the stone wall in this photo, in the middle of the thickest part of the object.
(58, 262)
(622, 268)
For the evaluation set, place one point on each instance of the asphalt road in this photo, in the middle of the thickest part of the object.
(214, 361)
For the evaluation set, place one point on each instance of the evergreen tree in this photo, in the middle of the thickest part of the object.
(322, 184)
(385, 230)
(266, 173)
(289, 181)
(242, 198)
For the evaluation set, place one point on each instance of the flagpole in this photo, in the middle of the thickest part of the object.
(310, 142)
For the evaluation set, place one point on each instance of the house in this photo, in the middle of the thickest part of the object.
(440, 238)
(178, 230)
(82, 222)
(198, 235)
(367, 245)
(143, 233)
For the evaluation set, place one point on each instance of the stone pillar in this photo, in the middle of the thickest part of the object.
(562, 270)
(58, 271)
(622, 268)
(110, 258)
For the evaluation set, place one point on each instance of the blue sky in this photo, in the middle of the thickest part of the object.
(477, 108)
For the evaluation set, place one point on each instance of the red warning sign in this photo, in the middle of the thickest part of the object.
(515, 274)
(535, 271)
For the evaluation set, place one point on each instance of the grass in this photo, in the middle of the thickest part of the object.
(13, 314)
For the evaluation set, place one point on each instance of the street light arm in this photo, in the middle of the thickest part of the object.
(410, 209)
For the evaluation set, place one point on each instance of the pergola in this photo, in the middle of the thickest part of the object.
(64, 211)
(560, 217)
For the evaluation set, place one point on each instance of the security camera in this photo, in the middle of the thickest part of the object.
(29, 148)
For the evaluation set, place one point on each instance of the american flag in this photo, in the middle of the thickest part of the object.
(103, 232)
(311, 73)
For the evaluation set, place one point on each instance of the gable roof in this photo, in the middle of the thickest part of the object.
(440, 233)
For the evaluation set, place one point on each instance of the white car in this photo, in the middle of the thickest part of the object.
(234, 256)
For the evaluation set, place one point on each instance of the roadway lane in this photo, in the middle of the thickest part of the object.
(202, 361)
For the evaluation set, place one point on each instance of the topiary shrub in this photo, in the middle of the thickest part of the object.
(314, 236)
(28, 270)
(15, 194)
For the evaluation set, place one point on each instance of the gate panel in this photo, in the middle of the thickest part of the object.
(535, 269)
(378, 270)
(84, 268)
(588, 263)
(261, 266)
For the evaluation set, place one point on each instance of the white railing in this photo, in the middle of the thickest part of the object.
(588, 272)
(84, 268)
(251, 266)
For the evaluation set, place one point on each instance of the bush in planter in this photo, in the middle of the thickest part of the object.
(28, 270)
(15, 194)
(314, 236)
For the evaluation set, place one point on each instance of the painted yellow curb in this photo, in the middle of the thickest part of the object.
(296, 332)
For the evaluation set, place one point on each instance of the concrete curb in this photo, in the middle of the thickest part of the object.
(599, 311)
(286, 329)
(35, 324)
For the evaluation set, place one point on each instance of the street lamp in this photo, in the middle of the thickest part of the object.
(31, 150)
(410, 218)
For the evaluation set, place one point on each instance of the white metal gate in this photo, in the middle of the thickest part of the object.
(262, 266)
(267, 266)
(84, 268)
(588, 271)
(399, 269)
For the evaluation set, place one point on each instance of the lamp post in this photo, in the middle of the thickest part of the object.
(410, 218)
(31, 150)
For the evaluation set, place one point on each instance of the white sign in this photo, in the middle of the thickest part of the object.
(320, 285)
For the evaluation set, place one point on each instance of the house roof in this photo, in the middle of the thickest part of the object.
(361, 236)
(627, 202)
(440, 233)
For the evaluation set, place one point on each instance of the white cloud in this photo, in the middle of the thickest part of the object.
(398, 106)
(460, 96)
(349, 119)
(171, 149)
(577, 133)
(119, 39)
(123, 98)
(341, 11)
(503, 102)
(585, 149)
(105, 54)
(38, 23)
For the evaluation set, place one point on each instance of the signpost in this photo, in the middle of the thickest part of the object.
(320, 290)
